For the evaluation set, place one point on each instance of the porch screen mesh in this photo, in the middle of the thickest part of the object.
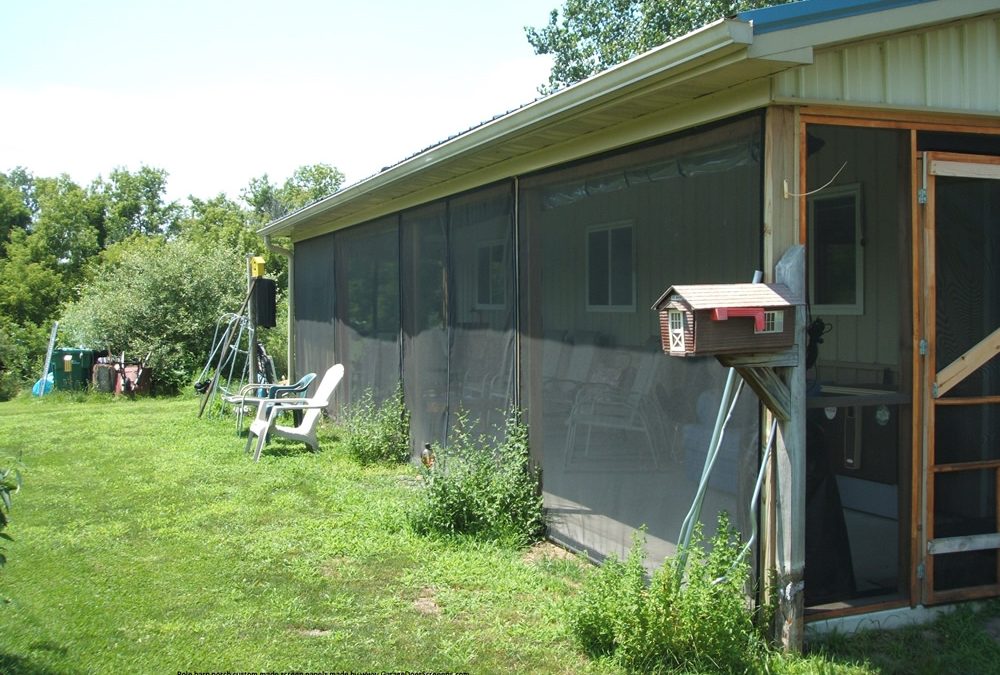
(367, 300)
(314, 307)
(622, 429)
(458, 313)
(482, 302)
(425, 322)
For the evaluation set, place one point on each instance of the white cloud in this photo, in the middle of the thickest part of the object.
(213, 139)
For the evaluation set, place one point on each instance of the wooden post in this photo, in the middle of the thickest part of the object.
(783, 513)
(790, 459)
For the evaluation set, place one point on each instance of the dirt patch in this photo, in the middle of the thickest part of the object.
(334, 568)
(425, 602)
(314, 632)
(546, 550)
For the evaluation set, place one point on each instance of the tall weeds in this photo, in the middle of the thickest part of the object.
(378, 432)
(483, 486)
(698, 619)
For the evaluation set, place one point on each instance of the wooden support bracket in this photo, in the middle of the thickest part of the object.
(760, 371)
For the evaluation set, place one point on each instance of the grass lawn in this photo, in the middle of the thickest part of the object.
(147, 542)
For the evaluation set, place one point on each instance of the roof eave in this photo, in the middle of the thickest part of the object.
(714, 40)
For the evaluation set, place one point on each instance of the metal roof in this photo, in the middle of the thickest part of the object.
(637, 95)
(796, 14)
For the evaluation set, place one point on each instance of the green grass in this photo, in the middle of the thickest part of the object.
(958, 642)
(147, 542)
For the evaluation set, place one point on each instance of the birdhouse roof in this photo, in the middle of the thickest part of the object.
(712, 296)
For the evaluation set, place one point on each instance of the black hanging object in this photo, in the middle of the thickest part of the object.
(265, 299)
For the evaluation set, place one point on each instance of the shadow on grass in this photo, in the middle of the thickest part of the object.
(11, 663)
(280, 447)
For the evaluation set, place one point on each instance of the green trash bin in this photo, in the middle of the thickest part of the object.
(71, 368)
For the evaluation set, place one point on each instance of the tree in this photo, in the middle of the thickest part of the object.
(14, 213)
(306, 185)
(161, 297)
(51, 228)
(219, 221)
(310, 183)
(592, 35)
(135, 204)
(22, 179)
(46, 261)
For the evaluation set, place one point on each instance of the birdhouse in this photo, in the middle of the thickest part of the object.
(710, 319)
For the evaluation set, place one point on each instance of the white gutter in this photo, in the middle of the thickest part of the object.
(289, 255)
(713, 38)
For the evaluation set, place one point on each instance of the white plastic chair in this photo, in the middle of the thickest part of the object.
(253, 395)
(265, 423)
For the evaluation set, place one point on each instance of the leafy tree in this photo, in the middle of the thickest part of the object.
(45, 262)
(14, 213)
(211, 222)
(310, 183)
(135, 204)
(268, 201)
(31, 290)
(306, 185)
(22, 179)
(67, 230)
(590, 36)
(159, 297)
(52, 229)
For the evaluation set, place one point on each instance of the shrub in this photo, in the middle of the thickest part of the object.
(610, 601)
(10, 482)
(157, 297)
(697, 619)
(22, 350)
(484, 487)
(378, 433)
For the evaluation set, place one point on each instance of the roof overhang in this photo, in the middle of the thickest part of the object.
(722, 56)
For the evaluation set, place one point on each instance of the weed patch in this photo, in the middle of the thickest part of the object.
(484, 487)
(378, 433)
(696, 619)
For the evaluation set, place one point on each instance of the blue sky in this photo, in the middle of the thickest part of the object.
(218, 92)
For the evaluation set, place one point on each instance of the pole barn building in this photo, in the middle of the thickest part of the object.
(856, 143)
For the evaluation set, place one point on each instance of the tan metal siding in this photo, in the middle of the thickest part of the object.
(955, 67)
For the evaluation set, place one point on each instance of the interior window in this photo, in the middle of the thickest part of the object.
(610, 268)
(491, 292)
(836, 262)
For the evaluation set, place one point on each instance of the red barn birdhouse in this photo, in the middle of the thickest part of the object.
(710, 319)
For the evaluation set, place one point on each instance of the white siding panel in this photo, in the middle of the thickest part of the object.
(900, 53)
(863, 73)
(944, 64)
(949, 67)
(985, 35)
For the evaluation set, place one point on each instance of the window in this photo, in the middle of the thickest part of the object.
(611, 268)
(491, 276)
(836, 261)
(774, 322)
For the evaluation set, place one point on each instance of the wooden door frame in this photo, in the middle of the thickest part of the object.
(930, 374)
(912, 122)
